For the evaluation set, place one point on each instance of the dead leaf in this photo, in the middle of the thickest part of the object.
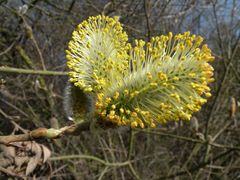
(7, 155)
(25, 159)
(8, 151)
(46, 153)
(4, 162)
(33, 162)
(19, 161)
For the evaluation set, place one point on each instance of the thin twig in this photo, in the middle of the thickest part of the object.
(10, 173)
(147, 15)
(6, 69)
(67, 157)
(8, 49)
(190, 139)
(31, 36)
(180, 173)
(131, 140)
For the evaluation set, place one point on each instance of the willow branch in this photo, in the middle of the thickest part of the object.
(147, 15)
(196, 168)
(189, 139)
(6, 69)
(41, 133)
(67, 157)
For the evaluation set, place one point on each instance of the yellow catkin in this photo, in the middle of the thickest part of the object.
(153, 82)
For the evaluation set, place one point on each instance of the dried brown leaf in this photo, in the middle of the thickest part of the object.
(46, 153)
(8, 151)
(4, 162)
(19, 161)
(32, 164)
(7, 155)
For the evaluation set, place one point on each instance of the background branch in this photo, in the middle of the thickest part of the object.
(5, 69)
(51, 133)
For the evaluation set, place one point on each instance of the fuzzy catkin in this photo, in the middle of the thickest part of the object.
(163, 80)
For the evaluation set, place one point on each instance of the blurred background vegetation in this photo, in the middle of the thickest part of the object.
(34, 35)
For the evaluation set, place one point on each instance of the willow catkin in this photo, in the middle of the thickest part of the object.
(163, 80)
